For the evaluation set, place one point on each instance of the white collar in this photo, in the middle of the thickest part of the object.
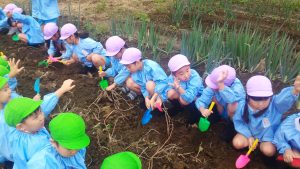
(297, 123)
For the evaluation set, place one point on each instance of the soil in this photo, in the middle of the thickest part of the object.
(114, 123)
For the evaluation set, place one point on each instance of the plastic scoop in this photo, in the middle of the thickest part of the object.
(43, 63)
(147, 116)
(36, 86)
(52, 59)
(243, 160)
(103, 83)
(295, 163)
(159, 107)
(204, 124)
(15, 38)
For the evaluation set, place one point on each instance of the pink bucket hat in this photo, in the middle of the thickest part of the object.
(67, 30)
(113, 45)
(259, 86)
(211, 79)
(177, 62)
(131, 55)
(17, 10)
(49, 30)
(9, 7)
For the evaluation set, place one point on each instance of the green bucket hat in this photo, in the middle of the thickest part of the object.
(4, 63)
(3, 70)
(68, 129)
(122, 160)
(3, 81)
(19, 108)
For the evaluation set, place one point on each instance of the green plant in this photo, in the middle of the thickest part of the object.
(178, 12)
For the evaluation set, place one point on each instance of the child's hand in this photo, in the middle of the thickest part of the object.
(14, 68)
(288, 156)
(222, 76)
(175, 84)
(147, 102)
(297, 85)
(205, 112)
(158, 102)
(110, 87)
(102, 74)
(37, 97)
(67, 85)
(251, 141)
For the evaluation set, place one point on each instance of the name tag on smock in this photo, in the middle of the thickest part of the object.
(266, 123)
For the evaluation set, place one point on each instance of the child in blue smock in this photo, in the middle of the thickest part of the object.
(185, 85)
(56, 47)
(31, 30)
(3, 22)
(45, 11)
(69, 141)
(261, 115)
(27, 117)
(84, 49)
(8, 9)
(147, 77)
(115, 47)
(287, 138)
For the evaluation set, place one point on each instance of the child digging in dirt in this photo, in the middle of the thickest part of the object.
(147, 77)
(10, 69)
(261, 115)
(115, 47)
(69, 142)
(56, 47)
(84, 49)
(8, 9)
(122, 160)
(185, 85)
(227, 91)
(287, 138)
(31, 31)
(27, 117)
(4, 27)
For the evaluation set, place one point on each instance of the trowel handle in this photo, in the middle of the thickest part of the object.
(211, 106)
(252, 147)
(100, 70)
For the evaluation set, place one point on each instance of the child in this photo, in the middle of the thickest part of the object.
(84, 49)
(287, 138)
(115, 47)
(261, 115)
(31, 30)
(9, 9)
(122, 160)
(69, 142)
(56, 47)
(150, 78)
(27, 117)
(3, 23)
(185, 84)
(45, 11)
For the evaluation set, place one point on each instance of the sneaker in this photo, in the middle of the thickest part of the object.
(125, 89)
(12, 30)
(131, 95)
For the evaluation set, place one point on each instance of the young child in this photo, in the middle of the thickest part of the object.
(4, 27)
(69, 142)
(84, 49)
(27, 117)
(31, 30)
(56, 47)
(261, 115)
(122, 160)
(8, 9)
(150, 78)
(185, 84)
(287, 138)
(115, 47)
(45, 11)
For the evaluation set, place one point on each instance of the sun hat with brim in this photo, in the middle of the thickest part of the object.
(50, 29)
(3, 81)
(19, 108)
(113, 45)
(122, 160)
(131, 55)
(9, 7)
(4, 63)
(3, 71)
(68, 129)
(259, 86)
(177, 62)
(211, 79)
(67, 30)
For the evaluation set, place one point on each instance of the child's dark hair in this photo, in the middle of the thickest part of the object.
(33, 113)
(81, 35)
(9, 21)
(246, 111)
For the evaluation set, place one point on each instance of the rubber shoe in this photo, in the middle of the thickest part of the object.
(131, 95)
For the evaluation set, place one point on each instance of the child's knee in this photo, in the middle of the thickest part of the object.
(150, 86)
(97, 60)
(172, 94)
(268, 149)
(239, 142)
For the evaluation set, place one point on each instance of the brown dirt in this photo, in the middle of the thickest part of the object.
(113, 130)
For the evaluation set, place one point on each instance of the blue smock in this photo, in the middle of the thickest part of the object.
(3, 19)
(264, 126)
(151, 71)
(45, 9)
(287, 135)
(118, 71)
(30, 27)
